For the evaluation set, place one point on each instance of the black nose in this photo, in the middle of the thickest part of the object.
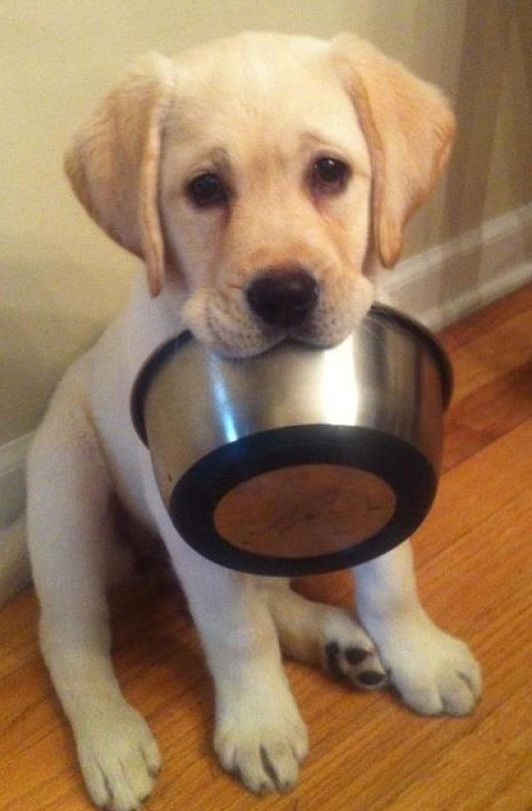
(283, 297)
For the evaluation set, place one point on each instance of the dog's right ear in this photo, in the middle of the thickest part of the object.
(113, 161)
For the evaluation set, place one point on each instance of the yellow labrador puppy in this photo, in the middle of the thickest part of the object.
(259, 178)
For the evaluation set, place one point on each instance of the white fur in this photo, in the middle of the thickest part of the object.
(86, 450)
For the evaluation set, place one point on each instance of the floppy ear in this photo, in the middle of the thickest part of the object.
(113, 161)
(409, 128)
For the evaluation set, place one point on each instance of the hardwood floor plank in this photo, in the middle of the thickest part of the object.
(505, 347)
(480, 323)
(487, 413)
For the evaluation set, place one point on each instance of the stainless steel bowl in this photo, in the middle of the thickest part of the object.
(300, 460)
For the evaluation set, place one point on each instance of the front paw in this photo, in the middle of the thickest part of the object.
(261, 738)
(434, 672)
(118, 755)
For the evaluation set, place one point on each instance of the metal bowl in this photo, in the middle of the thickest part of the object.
(300, 460)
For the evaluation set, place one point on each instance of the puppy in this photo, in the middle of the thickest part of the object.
(260, 179)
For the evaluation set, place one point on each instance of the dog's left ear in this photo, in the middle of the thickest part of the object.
(113, 161)
(409, 128)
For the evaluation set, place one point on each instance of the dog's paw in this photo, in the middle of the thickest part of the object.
(261, 738)
(434, 672)
(349, 653)
(119, 758)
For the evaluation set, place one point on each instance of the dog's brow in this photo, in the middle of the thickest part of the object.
(217, 158)
(317, 138)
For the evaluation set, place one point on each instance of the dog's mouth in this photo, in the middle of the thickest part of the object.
(231, 326)
(226, 326)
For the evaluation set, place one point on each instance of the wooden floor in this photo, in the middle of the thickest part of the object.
(368, 753)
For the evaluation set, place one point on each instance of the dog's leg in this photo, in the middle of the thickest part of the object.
(68, 494)
(323, 634)
(259, 734)
(434, 672)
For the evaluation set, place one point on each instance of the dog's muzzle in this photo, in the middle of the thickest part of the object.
(283, 297)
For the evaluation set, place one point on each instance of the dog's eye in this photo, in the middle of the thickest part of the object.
(207, 190)
(329, 175)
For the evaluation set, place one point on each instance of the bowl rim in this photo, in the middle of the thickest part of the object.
(197, 493)
(164, 352)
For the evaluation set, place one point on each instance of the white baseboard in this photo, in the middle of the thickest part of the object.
(463, 274)
(437, 286)
(12, 480)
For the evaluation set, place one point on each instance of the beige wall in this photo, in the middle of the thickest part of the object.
(61, 280)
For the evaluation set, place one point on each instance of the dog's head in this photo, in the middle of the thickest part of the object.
(263, 172)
